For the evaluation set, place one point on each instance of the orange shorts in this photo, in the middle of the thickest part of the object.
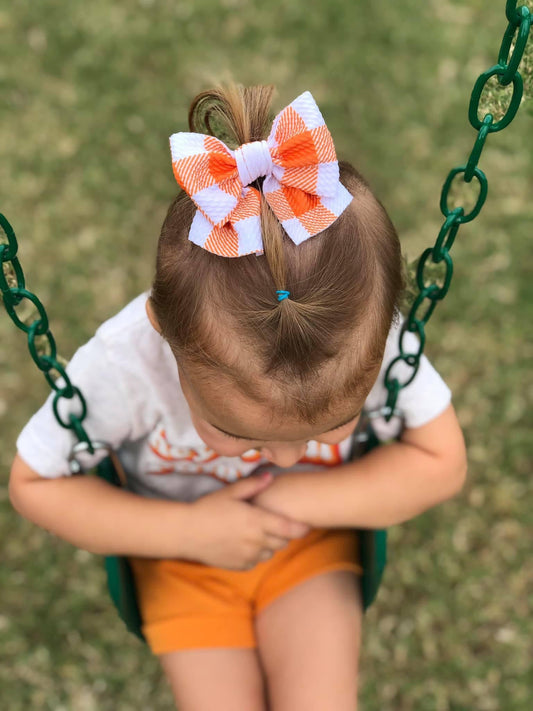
(189, 605)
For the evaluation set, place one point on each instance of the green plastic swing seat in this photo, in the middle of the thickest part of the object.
(121, 583)
(120, 579)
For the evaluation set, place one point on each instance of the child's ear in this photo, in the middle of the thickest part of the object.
(151, 316)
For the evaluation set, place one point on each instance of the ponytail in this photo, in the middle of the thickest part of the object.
(233, 113)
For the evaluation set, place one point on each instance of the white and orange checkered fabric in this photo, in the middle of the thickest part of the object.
(301, 182)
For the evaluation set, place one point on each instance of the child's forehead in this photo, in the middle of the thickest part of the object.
(222, 404)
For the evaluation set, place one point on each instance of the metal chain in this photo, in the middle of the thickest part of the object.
(430, 292)
(14, 292)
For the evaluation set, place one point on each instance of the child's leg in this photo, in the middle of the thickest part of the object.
(308, 643)
(220, 679)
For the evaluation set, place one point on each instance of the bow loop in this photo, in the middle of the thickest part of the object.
(205, 168)
(304, 148)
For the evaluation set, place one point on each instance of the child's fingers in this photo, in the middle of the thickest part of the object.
(275, 543)
(282, 527)
(248, 487)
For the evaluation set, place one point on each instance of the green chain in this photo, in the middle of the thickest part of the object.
(12, 285)
(430, 293)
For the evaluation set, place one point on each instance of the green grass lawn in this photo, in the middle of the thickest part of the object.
(89, 93)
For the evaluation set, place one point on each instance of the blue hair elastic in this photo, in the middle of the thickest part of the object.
(283, 294)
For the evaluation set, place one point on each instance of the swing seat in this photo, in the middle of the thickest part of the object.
(121, 583)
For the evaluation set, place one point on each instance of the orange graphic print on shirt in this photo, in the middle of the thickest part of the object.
(169, 458)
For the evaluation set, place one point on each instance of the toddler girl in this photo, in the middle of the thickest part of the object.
(270, 321)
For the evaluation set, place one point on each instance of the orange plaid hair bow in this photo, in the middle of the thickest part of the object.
(301, 182)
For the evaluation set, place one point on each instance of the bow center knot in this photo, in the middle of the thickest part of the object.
(253, 161)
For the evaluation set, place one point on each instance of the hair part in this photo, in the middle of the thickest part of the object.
(221, 316)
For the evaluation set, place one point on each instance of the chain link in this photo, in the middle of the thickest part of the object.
(517, 32)
(12, 285)
(516, 98)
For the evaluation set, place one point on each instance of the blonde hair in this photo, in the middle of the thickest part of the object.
(345, 284)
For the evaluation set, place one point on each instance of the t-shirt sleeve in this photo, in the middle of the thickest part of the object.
(45, 445)
(426, 397)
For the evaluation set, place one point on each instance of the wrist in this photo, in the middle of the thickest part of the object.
(185, 531)
(280, 496)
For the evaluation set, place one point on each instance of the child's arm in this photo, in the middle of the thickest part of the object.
(389, 485)
(221, 528)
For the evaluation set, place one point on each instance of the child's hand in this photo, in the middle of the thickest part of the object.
(228, 532)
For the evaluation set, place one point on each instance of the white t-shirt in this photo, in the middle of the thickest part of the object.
(129, 378)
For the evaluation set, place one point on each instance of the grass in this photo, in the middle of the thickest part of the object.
(89, 94)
